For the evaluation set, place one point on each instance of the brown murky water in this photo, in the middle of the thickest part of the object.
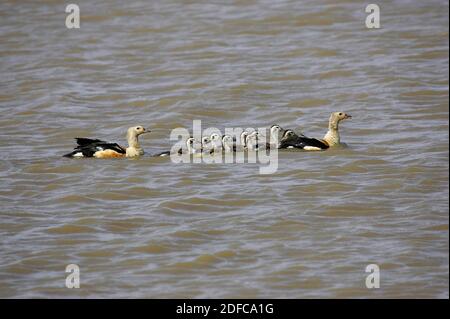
(150, 228)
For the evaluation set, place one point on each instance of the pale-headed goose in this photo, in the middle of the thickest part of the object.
(331, 138)
(100, 149)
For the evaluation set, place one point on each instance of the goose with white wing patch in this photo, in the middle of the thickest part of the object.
(100, 149)
(331, 138)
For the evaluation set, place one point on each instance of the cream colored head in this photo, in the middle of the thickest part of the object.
(336, 118)
(135, 131)
(134, 149)
(332, 137)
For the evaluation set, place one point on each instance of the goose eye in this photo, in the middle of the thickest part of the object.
(340, 113)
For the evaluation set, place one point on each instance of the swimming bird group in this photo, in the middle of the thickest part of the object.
(279, 138)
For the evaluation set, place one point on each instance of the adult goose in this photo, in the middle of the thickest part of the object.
(87, 147)
(331, 138)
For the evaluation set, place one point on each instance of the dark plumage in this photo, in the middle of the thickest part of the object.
(303, 141)
(83, 141)
(292, 140)
(167, 153)
(331, 138)
(88, 147)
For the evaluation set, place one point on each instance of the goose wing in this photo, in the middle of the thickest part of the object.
(88, 147)
(303, 142)
(83, 141)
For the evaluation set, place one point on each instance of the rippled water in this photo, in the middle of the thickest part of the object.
(150, 228)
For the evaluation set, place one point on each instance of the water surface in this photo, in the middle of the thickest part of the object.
(149, 228)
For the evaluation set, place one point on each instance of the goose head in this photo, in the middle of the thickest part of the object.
(132, 137)
(336, 118)
(135, 131)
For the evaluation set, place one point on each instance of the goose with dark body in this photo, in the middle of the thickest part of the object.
(96, 148)
(331, 138)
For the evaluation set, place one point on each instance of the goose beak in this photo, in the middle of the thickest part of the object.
(146, 131)
(348, 116)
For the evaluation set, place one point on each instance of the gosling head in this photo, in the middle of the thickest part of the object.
(289, 133)
(216, 140)
(243, 138)
(206, 140)
(193, 145)
(215, 137)
(276, 133)
(252, 140)
(289, 138)
(190, 143)
(227, 143)
(275, 129)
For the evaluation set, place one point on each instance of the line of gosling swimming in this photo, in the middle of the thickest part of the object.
(279, 138)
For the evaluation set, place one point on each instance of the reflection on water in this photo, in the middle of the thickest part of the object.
(149, 228)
